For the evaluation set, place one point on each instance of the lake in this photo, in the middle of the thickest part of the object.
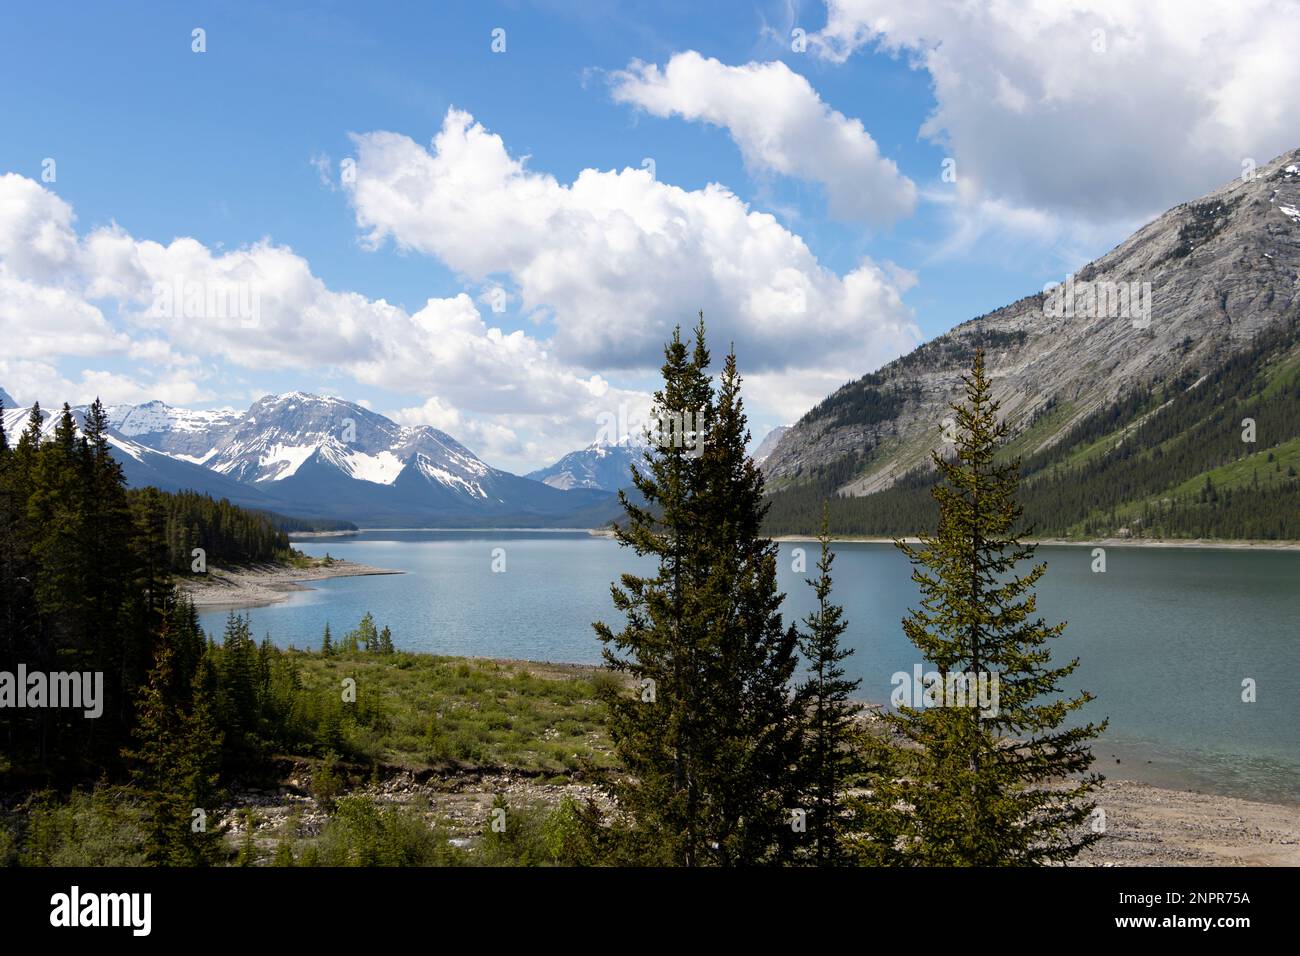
(1165, 636)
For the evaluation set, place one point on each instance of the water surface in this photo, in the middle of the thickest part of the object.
(1165, 636)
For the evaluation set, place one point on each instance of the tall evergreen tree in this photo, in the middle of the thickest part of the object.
(706, 735)
(832, 745)
(983, 786)
(239, 703)
(174, 765)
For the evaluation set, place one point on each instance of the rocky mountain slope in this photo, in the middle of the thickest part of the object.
(769, 443)
(1173, 303)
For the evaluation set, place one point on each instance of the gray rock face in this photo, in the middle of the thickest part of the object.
(1213, 272)
(769, 443)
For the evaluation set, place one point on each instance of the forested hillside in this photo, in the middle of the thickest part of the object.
(1126, 416)
(86, 581)
(1170, 462)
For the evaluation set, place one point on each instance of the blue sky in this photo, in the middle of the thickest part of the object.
(239, 148)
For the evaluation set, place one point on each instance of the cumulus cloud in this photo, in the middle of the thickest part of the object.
(30, 381)
(615, 259)
(780, 125)
(1095, 109)
(262, 308)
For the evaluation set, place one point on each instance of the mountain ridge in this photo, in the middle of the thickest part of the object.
(305, 455)
(1221, 275)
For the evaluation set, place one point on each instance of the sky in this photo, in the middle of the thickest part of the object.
(490, 217)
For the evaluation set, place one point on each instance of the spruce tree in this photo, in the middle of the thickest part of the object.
(174, 766)
(706, 732)
(978, 786)
(327, 643)
(239, 701)
(122, 646)
(367, 635)
(832, 745)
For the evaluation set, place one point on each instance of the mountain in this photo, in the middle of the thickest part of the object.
(188, 435)
(307, 455)
(144, 466)
(769, 443)
(7, 399)
(601, 466)
(608, 466)
(1122, 409)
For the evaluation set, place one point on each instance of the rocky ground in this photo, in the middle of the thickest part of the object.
(1151, 826)
(461, 800)
(1144, 825)
(259, 585)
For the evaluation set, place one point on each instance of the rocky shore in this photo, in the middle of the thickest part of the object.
(259, 585)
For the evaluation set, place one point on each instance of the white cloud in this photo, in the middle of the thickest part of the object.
(780, 125)
(617, 258)
(505, 389)
(31, 381)
(36, 235)
(43, 321)
(1101, 110)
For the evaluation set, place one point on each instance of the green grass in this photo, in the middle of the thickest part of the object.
(444, 710)
(1243, 471)
(1282, 377)
(1237, 474)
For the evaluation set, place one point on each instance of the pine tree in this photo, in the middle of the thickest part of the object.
(283, 852)
(385, 645)
(975, 786)
(327, 644)
(174, 766)
(248, 846)
(832, 746)
(122, 646)
(239, 701)
(366, 634)
(706, 735)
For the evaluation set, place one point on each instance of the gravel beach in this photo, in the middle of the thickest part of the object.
(259, 585)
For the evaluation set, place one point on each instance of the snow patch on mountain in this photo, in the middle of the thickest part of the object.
(382, 469)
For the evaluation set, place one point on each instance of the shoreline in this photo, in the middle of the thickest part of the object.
(265, 584)
(1193, 544)
(1147, 825)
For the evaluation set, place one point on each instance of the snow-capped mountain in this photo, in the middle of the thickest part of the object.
(281, 433)
(185, 434)
(144, 466)
(602, 466)
(7, 399)
(313, 456)
(608, 467)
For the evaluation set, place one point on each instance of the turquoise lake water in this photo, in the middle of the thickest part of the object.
(1165, 636)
